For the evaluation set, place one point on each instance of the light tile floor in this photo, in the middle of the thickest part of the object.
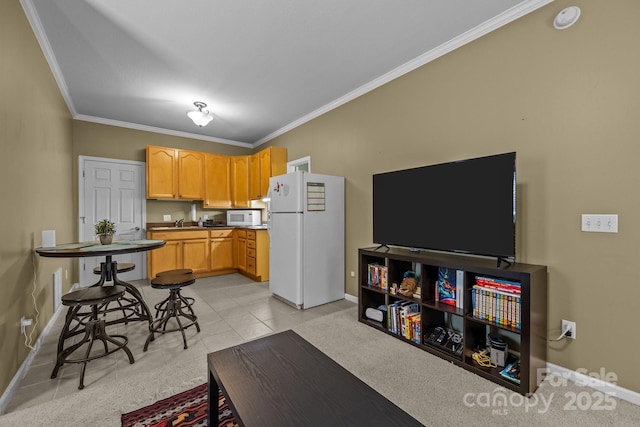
(231, 309)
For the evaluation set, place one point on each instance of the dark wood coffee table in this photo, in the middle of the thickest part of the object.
(282, 380)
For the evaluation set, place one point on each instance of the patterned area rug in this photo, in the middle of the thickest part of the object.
(185, 409)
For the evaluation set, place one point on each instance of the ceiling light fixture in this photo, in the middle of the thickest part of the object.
(566, 18)
(200, 117)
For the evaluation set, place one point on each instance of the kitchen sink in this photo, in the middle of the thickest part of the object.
(187, 227)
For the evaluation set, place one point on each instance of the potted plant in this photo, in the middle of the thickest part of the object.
(105, 229)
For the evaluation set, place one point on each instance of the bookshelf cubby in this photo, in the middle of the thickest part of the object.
(526, 342)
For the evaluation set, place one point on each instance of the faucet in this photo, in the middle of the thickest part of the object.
(180, 223)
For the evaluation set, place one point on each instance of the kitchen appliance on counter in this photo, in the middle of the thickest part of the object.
(306, 231)
(243, 218)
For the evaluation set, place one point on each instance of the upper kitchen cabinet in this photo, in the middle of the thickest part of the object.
(162, 173)
(190, 175)
(240, 181)
(174, 174)
(217, 185)
(269, 162)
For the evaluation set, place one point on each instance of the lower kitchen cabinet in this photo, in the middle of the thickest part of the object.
(221, 250)
(184, 249)
(168, 257)
(212, 252)
(240, 237)
(257, 261)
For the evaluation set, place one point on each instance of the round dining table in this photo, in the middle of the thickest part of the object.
(108, 268)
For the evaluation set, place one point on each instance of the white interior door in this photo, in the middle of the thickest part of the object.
(112, 189)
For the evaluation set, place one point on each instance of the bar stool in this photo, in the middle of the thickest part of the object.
(160, 307)
(94, 328)
(173, 308)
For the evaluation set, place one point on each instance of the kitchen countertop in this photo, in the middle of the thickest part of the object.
(195, 227)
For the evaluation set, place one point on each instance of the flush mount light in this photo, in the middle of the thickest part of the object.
(200, 117)
(566, 18)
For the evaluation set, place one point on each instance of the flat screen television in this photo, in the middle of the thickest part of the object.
(466, 206)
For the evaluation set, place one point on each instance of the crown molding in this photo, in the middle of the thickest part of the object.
(36, 26)
(486, 27)
(154, 129)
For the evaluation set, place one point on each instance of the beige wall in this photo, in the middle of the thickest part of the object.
(568, 103)
(35, 171)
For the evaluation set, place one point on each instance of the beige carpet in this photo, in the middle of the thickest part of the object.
(430, 389)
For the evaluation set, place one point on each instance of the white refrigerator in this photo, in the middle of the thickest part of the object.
(306, 231)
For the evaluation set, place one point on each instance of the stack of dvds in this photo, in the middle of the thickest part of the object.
(377, 276)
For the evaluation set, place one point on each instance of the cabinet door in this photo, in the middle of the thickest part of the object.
(162, 172)
(255, 177)
(191, 175)
(240, 181)
(262, 254)
(217, 186)
(221, 254)
(168, 257)
(195, 255)
(241, 254)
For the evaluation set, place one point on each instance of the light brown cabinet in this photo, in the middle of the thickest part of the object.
(196, 254)
(190, 175)
(257, 261)
(217, 181)
(162, 173)
(184, 249)
(174, 174)
(269, 162)
(168, 257)
(212, 252)
(221, 249)
(240, 182)
(240, 239)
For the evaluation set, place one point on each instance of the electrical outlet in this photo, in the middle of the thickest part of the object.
(571, 326)
(24, 322)
(166, 217)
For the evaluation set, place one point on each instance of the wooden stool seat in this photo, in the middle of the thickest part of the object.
(172, 272)
(172, 307)
(94, 328)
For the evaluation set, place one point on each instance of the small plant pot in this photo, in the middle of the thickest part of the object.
(106, 239)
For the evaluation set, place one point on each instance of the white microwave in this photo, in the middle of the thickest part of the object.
(241, 218)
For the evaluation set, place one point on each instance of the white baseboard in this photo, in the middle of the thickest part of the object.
(596, 383)
(26, 364)
(351, 298)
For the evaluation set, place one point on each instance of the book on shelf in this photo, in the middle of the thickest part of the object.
(500, 308)
(397, 314)
(377, 276)
(450, 286)
(512, 372)
(499, 285)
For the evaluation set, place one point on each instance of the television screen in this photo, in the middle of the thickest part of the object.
(465, 206)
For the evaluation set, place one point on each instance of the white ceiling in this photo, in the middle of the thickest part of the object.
(263, 67)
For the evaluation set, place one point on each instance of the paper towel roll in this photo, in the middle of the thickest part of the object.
(193, 212)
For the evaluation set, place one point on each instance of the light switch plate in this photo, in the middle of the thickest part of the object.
(600, 223)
